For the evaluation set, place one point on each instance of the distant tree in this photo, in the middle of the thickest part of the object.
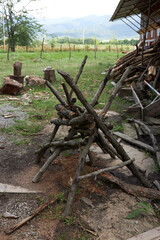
(20, 28)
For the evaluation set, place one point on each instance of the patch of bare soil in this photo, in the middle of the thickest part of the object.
(106, 215)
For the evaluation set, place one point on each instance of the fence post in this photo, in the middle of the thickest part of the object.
(95, 49)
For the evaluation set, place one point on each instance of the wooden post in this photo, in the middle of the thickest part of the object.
(149, 11)
(95, 49)
(69, 48)
(42, 50)
(4, 43)
(17, 66)
(117, 49)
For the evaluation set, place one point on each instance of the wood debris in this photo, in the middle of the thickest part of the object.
(148, 69)
(85, 127)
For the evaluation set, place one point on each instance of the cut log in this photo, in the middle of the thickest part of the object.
(81, 120)
(137, 191)
(49, 74)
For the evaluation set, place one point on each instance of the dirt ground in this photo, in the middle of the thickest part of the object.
(100, 207)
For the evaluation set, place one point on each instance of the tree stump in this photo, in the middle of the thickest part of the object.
(17, 67)
(49, 74)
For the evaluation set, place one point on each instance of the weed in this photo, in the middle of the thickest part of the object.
(99, 183)
(21, 142)
(143, 207)
(70, 220)
(61, 197)
(40, 199)
(78, 191)
(67, 153)
(118, 128)
(58, 212)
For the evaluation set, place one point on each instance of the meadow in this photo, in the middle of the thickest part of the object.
(42, 101)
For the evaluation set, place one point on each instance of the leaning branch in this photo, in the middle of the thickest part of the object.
(106, 170)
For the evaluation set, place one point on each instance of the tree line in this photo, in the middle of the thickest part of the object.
(91, 41)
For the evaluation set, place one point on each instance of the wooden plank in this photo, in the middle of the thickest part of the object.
(134, 141)
(136, 98)
(153, 234)
(151, 120)
(153, 109)
(125, 92)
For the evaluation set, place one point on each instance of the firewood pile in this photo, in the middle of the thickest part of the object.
(85, 128)
(145, 66)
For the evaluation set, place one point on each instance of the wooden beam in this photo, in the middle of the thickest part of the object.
(134, 141)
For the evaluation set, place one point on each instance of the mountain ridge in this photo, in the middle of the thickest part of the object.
(92, 26)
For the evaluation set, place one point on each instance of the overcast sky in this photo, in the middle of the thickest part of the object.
(74, 8)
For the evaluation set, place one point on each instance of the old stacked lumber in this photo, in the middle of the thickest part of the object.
(146, 66)
(85, 128)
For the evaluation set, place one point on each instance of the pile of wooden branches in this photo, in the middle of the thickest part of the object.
(145, 66)
(87, 127)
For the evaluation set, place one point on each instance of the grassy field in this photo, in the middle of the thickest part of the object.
(42, 101)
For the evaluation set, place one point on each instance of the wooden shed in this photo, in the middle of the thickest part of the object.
(142, 16)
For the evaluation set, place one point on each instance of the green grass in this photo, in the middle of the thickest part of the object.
(40, 102)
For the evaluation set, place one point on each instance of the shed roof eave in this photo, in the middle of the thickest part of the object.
(116, 10)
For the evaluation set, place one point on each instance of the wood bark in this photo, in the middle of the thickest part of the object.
(59, 122)
(55, 130)
(137, 191)
(81, 120)
(69, 100)
(74, 186)
(49, 74)
(56, 94)
(47, 164)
